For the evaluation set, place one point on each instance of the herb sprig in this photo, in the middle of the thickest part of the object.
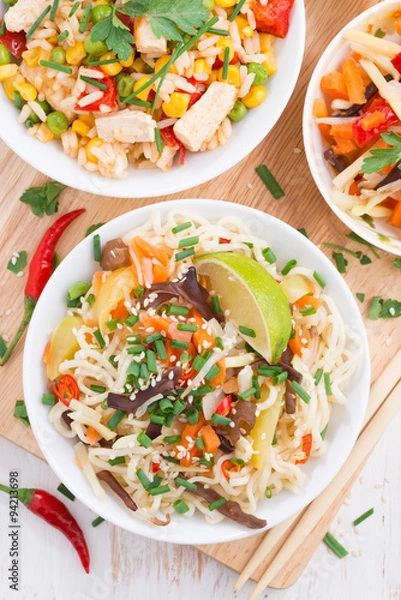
(380, 158)
(43, 200)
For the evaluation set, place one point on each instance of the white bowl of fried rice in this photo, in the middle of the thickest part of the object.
(330, 418)
(125, 157)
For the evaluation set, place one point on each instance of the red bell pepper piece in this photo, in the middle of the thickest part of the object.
(396, 62)
(169, 135)
(155, 467)
(306, 449)
(218, 63)
(109, 96)
(224, 407)
(14, 41)
(363, 137)
(274, 17)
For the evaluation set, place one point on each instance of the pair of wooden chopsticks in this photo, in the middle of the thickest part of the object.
(300, 535)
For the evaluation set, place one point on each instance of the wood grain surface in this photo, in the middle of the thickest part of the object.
(302, 206)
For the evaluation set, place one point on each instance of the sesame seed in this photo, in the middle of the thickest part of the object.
(8, 312)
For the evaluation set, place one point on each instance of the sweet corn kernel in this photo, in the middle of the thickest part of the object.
(87, 119)
(80, 127)
(248, 31)
(7, 71)
(127, 63)
(233, 76)
(255, 96)
(44, 134)
(138, 65)
(98, 2)
(113, 68)
(53, 39)
(213, 77)
(177, 106)
(32, 57)
(74, 54)
(93, 143)
(10, 85)
(162, 61)
(225, 43)
(266, 42)
(27, 91)
(201, 66)
(226, 3)
(241, 22)
(145, 93)
(270, 63)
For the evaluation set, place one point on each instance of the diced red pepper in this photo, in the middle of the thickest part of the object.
(274, 17)
(363, 137)
(224, 241)
(218, 63)
(155, 467)
(169, 135)
(109, 97)
(306, 448)
(396, 62)
(224, 407)
(14, 41)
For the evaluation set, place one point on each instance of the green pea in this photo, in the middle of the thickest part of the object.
(95, 48)
(98, 13)
(125, 86)
(58, 55)
(5, 55)
(208, 4)
(261, 74)
(44, 106)
(238, 111)
(57, 122)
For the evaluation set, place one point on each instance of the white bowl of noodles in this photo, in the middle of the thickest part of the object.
(50, 159)
(346, 414)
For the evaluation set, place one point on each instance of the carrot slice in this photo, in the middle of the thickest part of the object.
(353, 81)
(191, 432)
(372, 120)
(343, 130)
(295, 343)
(92, 435)
(150, 251)
(395, 218)
(308, 300)
(344, 146)
(320, 112)
(119, 312)
(334, 85)
(210, 438)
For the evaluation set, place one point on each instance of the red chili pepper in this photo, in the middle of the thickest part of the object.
(306, 448)
(227, 467)
(155, 467)
(40, 269)
(14, 41)
(361, 135)
(396, 62)
(169, 135)
(56, 514)
(225, 406)
(66, 389)
(224, 241)
(109, 97)
(273, 17)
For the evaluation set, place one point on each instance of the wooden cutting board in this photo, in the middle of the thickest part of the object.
(302, 206)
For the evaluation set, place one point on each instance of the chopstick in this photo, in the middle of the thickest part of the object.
(379, 392)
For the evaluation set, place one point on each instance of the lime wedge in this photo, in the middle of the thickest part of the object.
(253, 298)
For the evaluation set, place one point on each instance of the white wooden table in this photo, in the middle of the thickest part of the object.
(129, 567)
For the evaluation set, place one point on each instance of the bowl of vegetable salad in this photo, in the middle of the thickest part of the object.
(96, 95)
(188, 378)
(352, 129)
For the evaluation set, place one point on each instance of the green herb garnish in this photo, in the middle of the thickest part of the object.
(17, 263)
(43, 200)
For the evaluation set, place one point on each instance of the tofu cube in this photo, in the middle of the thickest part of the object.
(126, 126)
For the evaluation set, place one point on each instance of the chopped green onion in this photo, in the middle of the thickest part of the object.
(236, 10)
(163, 489)
(341, 262)
(206, 462)
(327, 384)
(91, 299)
(97, 521)
(20, 413)
(226, 62)
(99, 338)
(189, 241)
(269, 255)
(15, 265)
(318, 376)
(171, 459)
(172, 439)
(216, 305)
(302, 393)
(280, 378)
(220, 420)
(269, 371)
(179, 344)
(100, 389)
(308, 310)
(112, 361)
(274, 440)
(247, 331)
(365, 515)
(186, 484)
(66, 492)
(74, 9)
(97, 251)
(181, 227)
(60, 38)
(181, 311)
(246, 394)
(119, 460)
(78, 289)
(144, 372)
(323, 432)
(131, 320)
(268, 492)
(133, 369)
(38, 21)
(237, 461)
(335, 545)
(159, 419)
(357, 238)
(158, 139)
(17, 99)
(192, 416)
(222, 32)
(161, 349)
(212, 373)
(109, 61)
(255, 384)
(178, 407)
(187, 327)
(90, 80)
(289, 266)
(85, 18)
(144, 440)
(198, 363)
(93, 228)
(136, 102)
(201, 391)
(303, 231)
(180, 506)
(319, 279)
(115, 419)
(184, 254)
(360, 296)
(52, 65)
(270, 182)
(200, 444)
(151, 360)
(219, 343)
(48, 399)
(145, 481)
(112, 325)
(217, 503)
(136, 349)
(153, 337)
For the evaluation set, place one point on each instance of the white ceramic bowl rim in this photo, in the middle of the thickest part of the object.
(50, 160)
(335, 52)
(344, 426)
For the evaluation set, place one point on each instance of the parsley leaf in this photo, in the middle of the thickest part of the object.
(382, 157)
(397, 263)
(17, 263)
(116, 34)
(45, 199)
(384, 309)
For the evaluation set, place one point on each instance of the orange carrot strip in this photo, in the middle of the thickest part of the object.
(190, 431)
(395, 218)
(334, 85)
(344, 146)
(150, 251)
(372, 120)
(308, 300)
(210, 439)
(353, 81)
(295, 343)
(92, 435)
(343, 130)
